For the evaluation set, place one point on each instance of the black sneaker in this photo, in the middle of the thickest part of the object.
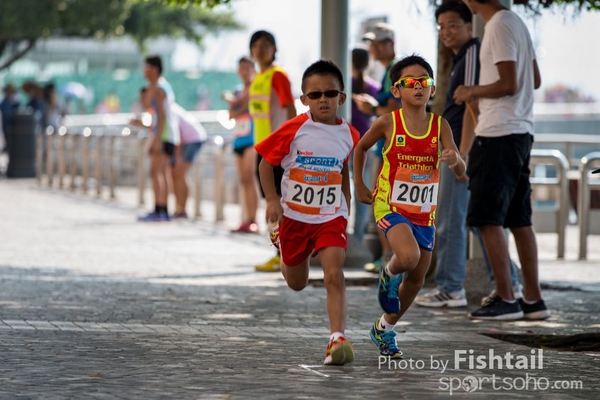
(535, 311)
(498, 309)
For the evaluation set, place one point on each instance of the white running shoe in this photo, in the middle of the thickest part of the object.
(437, 298)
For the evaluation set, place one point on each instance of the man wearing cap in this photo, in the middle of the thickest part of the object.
(381, 41)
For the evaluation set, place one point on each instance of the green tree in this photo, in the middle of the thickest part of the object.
(23, 23)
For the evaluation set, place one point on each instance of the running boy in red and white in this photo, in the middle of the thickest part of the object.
(312, 211)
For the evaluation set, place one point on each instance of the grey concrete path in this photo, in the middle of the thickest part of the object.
(94, 304)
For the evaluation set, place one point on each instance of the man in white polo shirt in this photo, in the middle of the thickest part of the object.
(498, 165)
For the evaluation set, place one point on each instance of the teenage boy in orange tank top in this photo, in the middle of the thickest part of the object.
(405, 195)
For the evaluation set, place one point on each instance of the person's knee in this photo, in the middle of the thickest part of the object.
(246, 178)
(407, 260)
(415, 279)
(334, 278)
(297, 284)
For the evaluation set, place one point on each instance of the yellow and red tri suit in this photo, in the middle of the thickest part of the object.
(409, 177)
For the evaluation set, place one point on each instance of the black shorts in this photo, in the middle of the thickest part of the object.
(277, 174)
(169, 149)
(241, 150)
(498, 173)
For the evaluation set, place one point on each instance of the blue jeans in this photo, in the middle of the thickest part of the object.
(451, 241)
(451, 217)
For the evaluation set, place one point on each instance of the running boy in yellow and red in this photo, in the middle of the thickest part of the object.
(312, 211)
(405, 196)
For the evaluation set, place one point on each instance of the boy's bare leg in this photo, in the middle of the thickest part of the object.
(248, 180)
(528, 256)
(332, 260)
(408, 257)
(158, 171)
(296, 276)
(413, 282)
(155, 175)
(180, 186)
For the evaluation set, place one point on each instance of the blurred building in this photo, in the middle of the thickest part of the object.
(111, 73)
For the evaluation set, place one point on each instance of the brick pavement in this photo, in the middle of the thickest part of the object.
(96, 305)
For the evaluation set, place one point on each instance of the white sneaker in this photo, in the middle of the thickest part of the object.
(437, 298)
(517, 290)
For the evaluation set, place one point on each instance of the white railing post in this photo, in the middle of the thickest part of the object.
(583, 203)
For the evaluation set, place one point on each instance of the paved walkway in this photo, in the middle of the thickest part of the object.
(96, 305)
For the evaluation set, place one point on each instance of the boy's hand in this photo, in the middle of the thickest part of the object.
(136, 122)
(156, 147)
(450, 157)
(274, 211)
(464, 178)
(363, 194)
(365, 102)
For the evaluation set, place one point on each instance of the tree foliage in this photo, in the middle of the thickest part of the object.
(537, 5)
(24, 22)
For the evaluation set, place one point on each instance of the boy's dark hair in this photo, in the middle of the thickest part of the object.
(323, 67)
(246, 59)
(455, 6)
(396, 71)
(156, 62)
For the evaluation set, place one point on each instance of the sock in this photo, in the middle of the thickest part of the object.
(336, 335)
(529, 302)
(388, 272)
(156, 208)
(509, 301)
(383, 325)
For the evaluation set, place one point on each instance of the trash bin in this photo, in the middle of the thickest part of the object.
(21, 146)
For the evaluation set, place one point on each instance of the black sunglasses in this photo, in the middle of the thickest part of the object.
(327, 93)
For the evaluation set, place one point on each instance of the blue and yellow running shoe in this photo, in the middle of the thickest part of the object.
(386, 341)
(388, 292)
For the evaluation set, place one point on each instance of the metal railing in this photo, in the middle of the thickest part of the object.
(588, 162)
(80, 152)
(569, 142)
(558, 159)
(66, 147)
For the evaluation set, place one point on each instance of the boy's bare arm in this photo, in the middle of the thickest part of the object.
(291, 110)
(380, 128)
(346, 185)
(450, 153)
(274, 211)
